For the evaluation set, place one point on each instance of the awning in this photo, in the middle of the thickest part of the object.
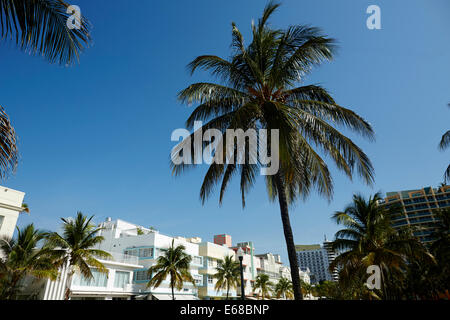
(177, 297)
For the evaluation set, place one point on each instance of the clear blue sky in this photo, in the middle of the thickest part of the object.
(96, 137)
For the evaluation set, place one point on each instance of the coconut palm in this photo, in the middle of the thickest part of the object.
(257, 89)
(21, 257)
(37, 27)
(40, 27)
(263, 286)
(8, 148)
(175, 264)
(75, 249)
(227, 275)
(283, 289)
(444, 144)
(368, 239)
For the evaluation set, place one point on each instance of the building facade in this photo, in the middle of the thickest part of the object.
(316, 259)
(11, 202)
(134, 249)
(417, 208)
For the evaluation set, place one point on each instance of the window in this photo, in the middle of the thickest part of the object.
(146, 252)
(121, 279)
(210, 280)
(141, 275)
(211, 263)
(197, 260)
(99, 279)
(1, 221)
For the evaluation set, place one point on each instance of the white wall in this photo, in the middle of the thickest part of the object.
(10, 206)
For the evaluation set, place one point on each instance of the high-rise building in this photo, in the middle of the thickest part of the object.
(316, 259)
(417, 208)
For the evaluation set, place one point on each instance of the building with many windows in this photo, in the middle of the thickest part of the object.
(316, 259)
(147, 245)
(417, 208)
(135, 249)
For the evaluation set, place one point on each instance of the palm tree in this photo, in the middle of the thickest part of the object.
(8, 149)
(368, 239)
(174, 263)
(37, 27)
(263, 285)
(257, 90)
(444, 144)
(306, 288)
(21, 257)
(74, 249)
(227, 275)
(283, 288)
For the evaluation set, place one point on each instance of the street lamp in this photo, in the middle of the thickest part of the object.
(240, 255)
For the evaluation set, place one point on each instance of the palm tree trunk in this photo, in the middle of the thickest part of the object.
(173, 294)
(228, 290)
(284, 210)
(68, 283)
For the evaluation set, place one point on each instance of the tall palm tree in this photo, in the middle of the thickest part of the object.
(227, 275)
(263, 285)
(22, 257)
(444, 144)
(37, 27)
(75, 248)
(369, 239)
(175, 264)
(283, 289)
(257, 90)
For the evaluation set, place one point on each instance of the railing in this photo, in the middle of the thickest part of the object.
(122, 258)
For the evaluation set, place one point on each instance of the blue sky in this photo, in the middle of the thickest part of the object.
(95, 137)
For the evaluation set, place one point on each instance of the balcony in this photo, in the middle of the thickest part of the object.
(122, 258)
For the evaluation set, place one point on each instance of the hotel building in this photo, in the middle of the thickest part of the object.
(317, 259)
(417, 208)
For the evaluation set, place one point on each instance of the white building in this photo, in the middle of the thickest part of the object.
(147, 245)
(135, 249)
(116, 284)
(213, 254)
(316, 259)
(10, 207)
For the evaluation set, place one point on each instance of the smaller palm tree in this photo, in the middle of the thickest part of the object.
(444, 144)
(75, 248)
(369, 239)
(174, 263)
(263, 286)
(283, 289)
(21, 258)
(228, 273)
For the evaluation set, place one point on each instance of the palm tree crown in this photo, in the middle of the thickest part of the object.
(40, 27)
(22, 257)
(8, 147)
(257, 89)
(227, 275)
(175, 264)
(369, 239)
(444, 144)
(283, 289)
(263, 286)
(37, 27)
(76, 247)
